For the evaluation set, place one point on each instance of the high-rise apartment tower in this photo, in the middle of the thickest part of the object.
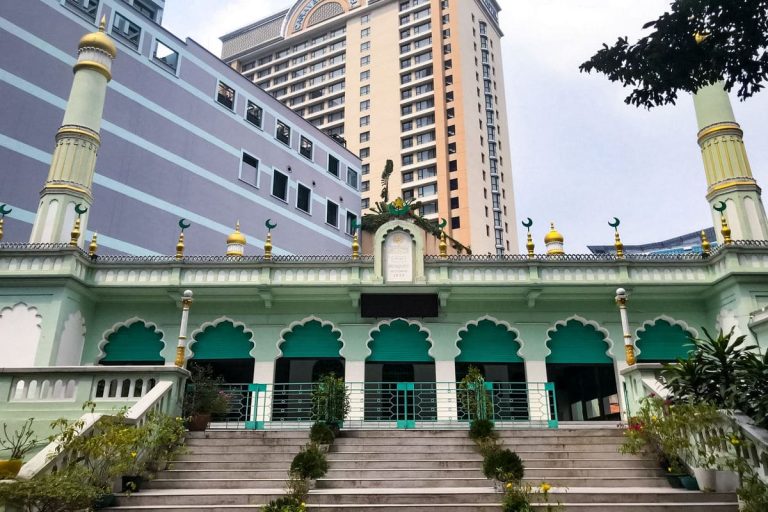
(419, 82)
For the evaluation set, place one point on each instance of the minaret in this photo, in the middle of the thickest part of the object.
(729, 176)
(70, 177)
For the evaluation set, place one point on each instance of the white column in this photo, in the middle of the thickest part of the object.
(263, 373)
(445, 377)
(538, 400)
(354, 377)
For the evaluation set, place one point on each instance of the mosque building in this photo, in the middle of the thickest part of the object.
(546, 328)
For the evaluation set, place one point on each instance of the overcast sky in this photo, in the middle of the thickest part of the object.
(580, 155)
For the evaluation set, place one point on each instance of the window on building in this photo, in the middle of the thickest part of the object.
(226, 96)
(365, 90)
(254, 114)
(283, 133)
(365, 136)
(333, 165)
(428, 208)
(365, 19)
(365, 120)
(365, 186)
(280, 185)
(366, 169)
(352, 178)
(303, 198)
(305, 148)
(455, 184)
(365, 105)
(166, 56)
(249, 170)
(408, 177)
(365, 152)
(332, 213)
(366, 32)
(365, 203)
(145, 9)
(455, 222)
(126, 30)
(365, 75)
(365, 60)
(453, 165)
(350, 223)
(454, 203)
(87, 8)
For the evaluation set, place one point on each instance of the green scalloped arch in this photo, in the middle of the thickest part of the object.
(222, 341)
(311, 340)
(663, 341)
(135, 343)
(488, 342)
(399, 341)
(575, 342)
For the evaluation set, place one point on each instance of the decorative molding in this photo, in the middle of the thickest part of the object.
(562, 323)
(127, 323)
(6, 313)
(382, 323)
(298, 323)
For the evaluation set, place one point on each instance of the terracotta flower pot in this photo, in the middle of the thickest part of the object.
(199, 422)
(10, 468)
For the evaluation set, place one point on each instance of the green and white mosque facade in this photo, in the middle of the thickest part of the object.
(402, 327)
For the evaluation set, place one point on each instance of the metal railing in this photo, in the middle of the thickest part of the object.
(384, 405)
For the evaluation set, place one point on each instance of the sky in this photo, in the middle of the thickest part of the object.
(580, 155)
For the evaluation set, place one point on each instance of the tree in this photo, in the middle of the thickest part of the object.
(697, 43)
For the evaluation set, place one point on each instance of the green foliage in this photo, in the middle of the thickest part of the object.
(487, 445)
(389, 167)
(310, 463)
(752, 388)
(164, 439)
(503, 465)
(670, 59)
(285, 504)
(516, 499)
(69, 489)
(330, 400)
(754, 494)
(20, 442)
(203, 394)
(474, 399)
(320, 433)
(481, 429)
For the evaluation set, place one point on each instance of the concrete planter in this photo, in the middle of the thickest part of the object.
(726, 481)
(705, 478)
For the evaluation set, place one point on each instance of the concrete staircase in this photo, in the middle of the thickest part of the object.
(415, 471)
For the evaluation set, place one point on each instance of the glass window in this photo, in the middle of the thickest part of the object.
(332, 213)
(366, 32)
(365, 136)
(365, 152)
(365, 120)
(365, 105)
(365, 60)
(303, 198)
(455, 222)
(351, 221)
(305, 148)
(365, 186)
(280, 185)
(283, 133)
(126, 30)
(454, 203)
(254, 114)
(165, 55)
(226, 96)
(352, 178)
(364, 203)
(86, 7)
(249, 170)
(333, 165)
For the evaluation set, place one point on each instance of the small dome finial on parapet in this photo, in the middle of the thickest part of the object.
(554, 241)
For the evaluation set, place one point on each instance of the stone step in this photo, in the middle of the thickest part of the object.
(212, 465)
(477, 507)
(451, 472)
(249, 434)
(503, 433)
(481, 481)
(269, 456)
(244, 449)
(465, 441)
(214, 484)
(437, 448)
(260, 442)
(476, 462)
(254, 472)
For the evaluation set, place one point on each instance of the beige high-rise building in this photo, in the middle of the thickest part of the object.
(419, 82)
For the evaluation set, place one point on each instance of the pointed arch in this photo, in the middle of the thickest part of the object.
(223, 338)
(132, 341)
(400, 340)
(578, 340)
(664, 339)
(489, 340)
(310, 337)
(20, 332)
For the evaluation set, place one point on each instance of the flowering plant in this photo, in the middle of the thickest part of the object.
(204, 395)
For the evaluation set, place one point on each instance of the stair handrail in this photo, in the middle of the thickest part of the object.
(55, 455)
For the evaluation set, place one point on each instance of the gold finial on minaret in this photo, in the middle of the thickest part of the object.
(706, 247)
(355, 247)
(725, 229)
(183, 224)
(554, 241)
(4, 210)
(529, 245)
(74, 236)
(443, 245)
(616, 238)
(236, 243)
(93, 246)
(268, 242)
(103, 24)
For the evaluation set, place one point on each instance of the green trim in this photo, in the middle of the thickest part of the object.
(312, 339)
(488, 342)
(663, 341)
(222, 341)
(399, 341)
(134, 343)
(575, 342)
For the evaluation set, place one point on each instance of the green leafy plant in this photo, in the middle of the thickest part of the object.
(330, 400)
(66, 490)
(164, 439)
(516, 498)
(503, 465)
(285, 504)
(203, 394)
(481, 429)
(474, 399)
(754, 494)
(320, 433)
(20, 442)
(310, 463)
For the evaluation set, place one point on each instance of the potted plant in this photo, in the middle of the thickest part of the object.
(203, 397)
(164, 439)
(330, 401)
(321, 435)
(17, 445)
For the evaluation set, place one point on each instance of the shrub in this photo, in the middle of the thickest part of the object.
(320, 433)
(516, 499)
(65, 490)
(203, 394)
(286, 504)
(503, 465)
(487, 445)
(474, 399)
(310, 463)
(330, 400)
(20, 442)
(481, 429)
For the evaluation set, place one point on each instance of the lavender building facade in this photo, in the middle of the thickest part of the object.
(183, 136)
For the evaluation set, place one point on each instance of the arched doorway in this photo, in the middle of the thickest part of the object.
(310, 349)
(663, 340)
(224, 346)
(135, 343)
(583, 374)
(493, 348)
(400, 375)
